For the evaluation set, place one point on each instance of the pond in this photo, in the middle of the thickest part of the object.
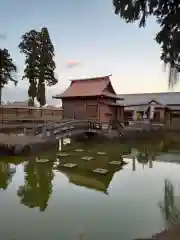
(42, 201)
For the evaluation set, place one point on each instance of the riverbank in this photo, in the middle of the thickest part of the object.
(23, 145)
(18, 128)
(173, 233)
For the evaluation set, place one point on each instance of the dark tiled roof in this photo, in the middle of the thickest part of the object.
(111, 95)
(164, 98)
(87, 87)
(111, 103)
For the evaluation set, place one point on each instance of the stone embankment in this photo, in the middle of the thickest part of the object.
(22, 145)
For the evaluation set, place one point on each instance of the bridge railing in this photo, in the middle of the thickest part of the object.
(68, 126)
(50, 125)
(77, 124)
(88, 124)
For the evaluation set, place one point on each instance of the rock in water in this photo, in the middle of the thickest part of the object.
(100, 170)
(79, 150)
(42, 160)
(116, 162)
(87, 158)
(101, 153)
(70, 165)
(62, 154)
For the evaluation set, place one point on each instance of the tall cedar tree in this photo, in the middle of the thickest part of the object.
(30, 47)
(39, 52)
(167, 14)
(7, 70)
(47, 65)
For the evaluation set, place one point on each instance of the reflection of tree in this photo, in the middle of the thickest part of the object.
(169, 207)
(150, 151)
(37, 188)
(6, 174)
(147, 155)
(143, 157)
(134, 164)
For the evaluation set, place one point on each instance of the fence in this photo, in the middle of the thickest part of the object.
(24, 113)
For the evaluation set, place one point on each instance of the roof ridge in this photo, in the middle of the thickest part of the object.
(149, 93)
(90, 78)
(93, 87)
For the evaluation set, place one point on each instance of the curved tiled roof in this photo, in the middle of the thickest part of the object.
(164, 98)
(88, 87)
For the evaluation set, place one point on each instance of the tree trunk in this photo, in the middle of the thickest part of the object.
(0, 95)
(33, 101)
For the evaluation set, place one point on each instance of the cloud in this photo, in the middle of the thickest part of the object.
(73, 64)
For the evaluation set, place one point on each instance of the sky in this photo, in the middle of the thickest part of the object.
(89, 40)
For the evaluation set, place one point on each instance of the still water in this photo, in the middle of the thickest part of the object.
(39, 201)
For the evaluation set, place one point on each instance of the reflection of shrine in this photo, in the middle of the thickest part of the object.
(82, 175)
(37, 188)
(89, 179)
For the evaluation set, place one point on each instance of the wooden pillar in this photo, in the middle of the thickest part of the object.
(123, 114)
(86, 108)
(16, 111)
(119, 113)
(162, 114)
(168, 116)
(98, 111)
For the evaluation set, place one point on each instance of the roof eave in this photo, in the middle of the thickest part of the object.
(111, 96)
(120, 98)
(57, 97)
(90, 78)
(116, 98)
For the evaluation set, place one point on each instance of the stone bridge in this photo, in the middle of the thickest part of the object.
(67, 128)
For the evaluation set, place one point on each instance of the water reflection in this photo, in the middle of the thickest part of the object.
(134, 164)
(170, 207)
(144, 154)
(7, 172)
(88, 179)
(121, 204)
(37, 188)
(147, 154)
(82, 175)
